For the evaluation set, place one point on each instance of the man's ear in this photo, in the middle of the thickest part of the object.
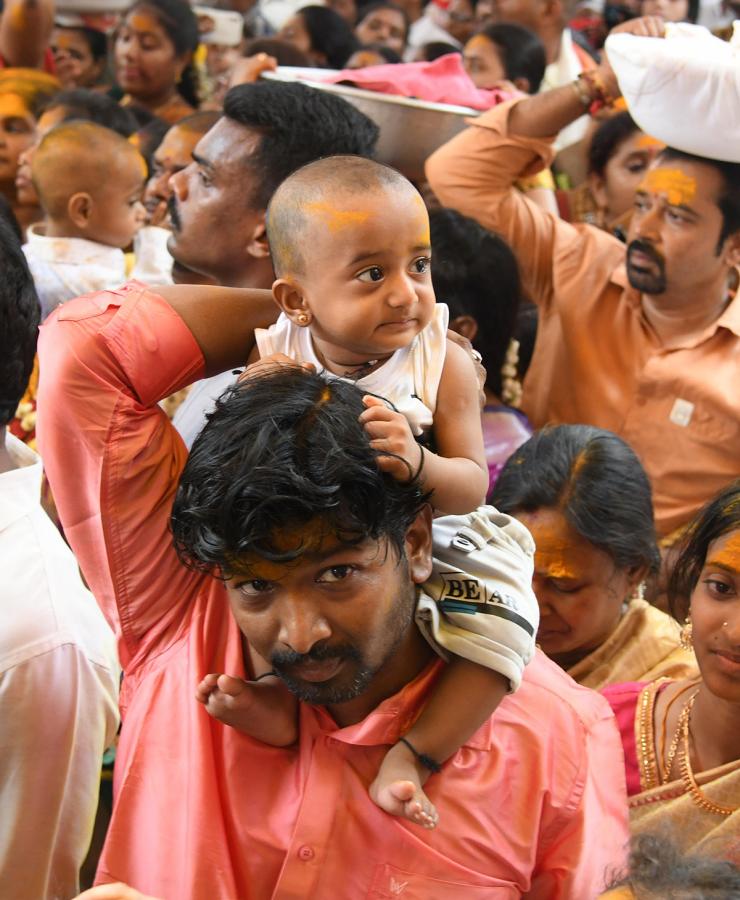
(731, 250)
(80, 209)
(418, 545)
(257, 246)
(290, 298)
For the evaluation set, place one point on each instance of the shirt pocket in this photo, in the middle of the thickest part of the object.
(391, 883)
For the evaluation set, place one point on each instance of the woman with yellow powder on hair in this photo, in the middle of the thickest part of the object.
(584, 496)
(682, 738)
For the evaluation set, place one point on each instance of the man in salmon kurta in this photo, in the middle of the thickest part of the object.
(644, 340)
(532, 805)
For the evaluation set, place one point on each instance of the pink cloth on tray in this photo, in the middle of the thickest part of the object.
(442, 81)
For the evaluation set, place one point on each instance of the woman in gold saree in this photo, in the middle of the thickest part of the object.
(682, 737)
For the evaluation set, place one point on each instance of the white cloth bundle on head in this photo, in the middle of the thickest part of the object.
(683, 89)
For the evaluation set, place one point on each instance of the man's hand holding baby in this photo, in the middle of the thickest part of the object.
(389, 431)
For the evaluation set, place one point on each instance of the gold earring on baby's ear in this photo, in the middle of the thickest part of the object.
(685, 636)
(303, 319)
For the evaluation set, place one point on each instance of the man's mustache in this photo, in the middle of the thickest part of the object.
(646, 249)
(285, 659)
(174, 212)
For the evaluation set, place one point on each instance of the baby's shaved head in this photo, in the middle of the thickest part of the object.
(318, 194)
(78, 157)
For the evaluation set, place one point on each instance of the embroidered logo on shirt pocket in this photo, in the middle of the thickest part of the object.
(392, 883)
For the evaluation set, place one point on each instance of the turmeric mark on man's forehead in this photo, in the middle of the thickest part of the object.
(679, 189)
(337, 219)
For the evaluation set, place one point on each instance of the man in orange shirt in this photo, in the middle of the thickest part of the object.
(323, 553)
(647, 345)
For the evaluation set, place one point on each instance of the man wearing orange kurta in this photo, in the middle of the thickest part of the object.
(532, 805)
(647, 345)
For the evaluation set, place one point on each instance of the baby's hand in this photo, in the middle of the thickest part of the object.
(390, 432)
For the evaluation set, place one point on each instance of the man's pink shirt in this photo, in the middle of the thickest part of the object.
(534, 804)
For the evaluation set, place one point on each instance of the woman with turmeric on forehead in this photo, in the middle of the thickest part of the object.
(586, 499)
(681, 738)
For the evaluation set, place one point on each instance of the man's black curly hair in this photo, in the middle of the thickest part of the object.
(280, 451)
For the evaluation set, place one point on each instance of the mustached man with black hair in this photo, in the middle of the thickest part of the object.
(292, 543)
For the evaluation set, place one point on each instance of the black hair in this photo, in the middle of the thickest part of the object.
(20, 313)
(595, 480)
(96, 40)
(281, 451)
(298, 125)
(285, 53)
(8, 216)
(181, 26)
(388, 54)
(365, 11)
(692, 13)
(434, 49)
(728, 200)
(149, 136)
(658, 869)
(475, 273)
(720, 516)
(607, 139)
(330, 34)
(92, 106)
(522, 52)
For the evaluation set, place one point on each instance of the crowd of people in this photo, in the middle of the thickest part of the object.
(376, 534)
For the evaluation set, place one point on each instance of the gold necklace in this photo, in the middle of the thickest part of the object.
(666, 774)
(687, 774)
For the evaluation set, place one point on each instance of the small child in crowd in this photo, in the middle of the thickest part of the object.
(89, 181)
(350, 244)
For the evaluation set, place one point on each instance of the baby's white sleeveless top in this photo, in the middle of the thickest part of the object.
(409, 379)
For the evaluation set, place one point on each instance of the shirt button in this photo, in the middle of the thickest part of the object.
(306, 853)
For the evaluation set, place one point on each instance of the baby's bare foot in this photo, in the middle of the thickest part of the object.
(264, 710)
(398, 788)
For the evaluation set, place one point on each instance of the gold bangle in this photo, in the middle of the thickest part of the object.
(582, 88)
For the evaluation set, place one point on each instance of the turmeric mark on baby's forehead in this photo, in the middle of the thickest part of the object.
(337, 219)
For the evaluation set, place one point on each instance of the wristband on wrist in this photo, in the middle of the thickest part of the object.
(592, 91)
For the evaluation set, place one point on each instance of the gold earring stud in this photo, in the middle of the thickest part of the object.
(685, 636)
(303, 319)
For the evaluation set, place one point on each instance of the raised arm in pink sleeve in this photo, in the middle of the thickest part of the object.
(113, 459)
(475, 174)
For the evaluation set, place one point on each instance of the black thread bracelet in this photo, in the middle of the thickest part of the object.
(263, 675)
(425, 760)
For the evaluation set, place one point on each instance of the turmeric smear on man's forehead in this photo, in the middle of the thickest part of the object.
(678, 188)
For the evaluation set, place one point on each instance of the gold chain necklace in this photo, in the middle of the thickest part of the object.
(687, 774)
